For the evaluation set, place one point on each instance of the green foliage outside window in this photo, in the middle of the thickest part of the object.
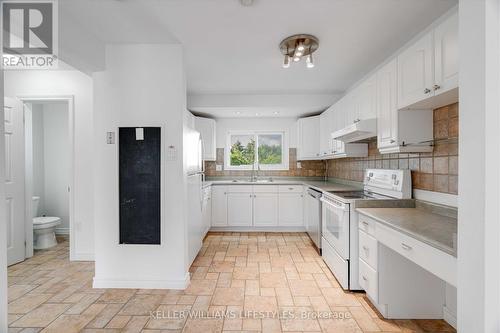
(243, 155)
(270, 150)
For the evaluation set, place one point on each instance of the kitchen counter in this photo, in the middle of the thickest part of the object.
(318, 185)
(436, 230)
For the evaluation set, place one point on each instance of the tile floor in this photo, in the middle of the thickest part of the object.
(240, 282)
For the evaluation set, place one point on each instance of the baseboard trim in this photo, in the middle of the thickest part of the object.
(258, 229)
(82, 257)
(180, 284)
(62, 231)
(449, 317)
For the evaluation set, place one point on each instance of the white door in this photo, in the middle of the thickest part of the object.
(265, 209)
(239, 209)
(415, 72)
(446, 55)
(14, 180)
(291, 209)
(387, 109)
(219, 206)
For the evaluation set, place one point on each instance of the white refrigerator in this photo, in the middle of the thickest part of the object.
(194, 158)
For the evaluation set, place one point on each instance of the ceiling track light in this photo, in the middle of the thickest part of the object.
(295, 47)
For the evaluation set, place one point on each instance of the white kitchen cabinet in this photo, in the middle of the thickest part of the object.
(291, 207)
(387, 108)
(446, 52)
(219, 206)
(399, 131)
(428, 69)
(207, 129)
(308, 138)
(240, 205)
(265, 209)
(326, 129)
(366, 106)
(415, 72)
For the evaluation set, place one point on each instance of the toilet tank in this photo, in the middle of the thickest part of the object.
(34, 207)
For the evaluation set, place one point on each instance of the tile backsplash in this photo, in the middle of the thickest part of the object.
(436, 171)
(308, 168)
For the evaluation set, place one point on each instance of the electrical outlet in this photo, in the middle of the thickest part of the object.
(299, 165)
(218, 167)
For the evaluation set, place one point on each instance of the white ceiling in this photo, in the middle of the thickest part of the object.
(232, 49)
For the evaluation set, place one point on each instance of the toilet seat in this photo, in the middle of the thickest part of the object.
(44, 222)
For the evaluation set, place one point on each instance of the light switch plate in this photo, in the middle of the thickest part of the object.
(139, 134)
(171, 153)
(110, 138)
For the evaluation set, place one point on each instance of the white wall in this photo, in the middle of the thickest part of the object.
(51, 161)
(3, 226)
(38, 161)
(78, 85)
(479, 163)
(142, 85)
(287, 125)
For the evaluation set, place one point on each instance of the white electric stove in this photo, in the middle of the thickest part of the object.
(340, 221)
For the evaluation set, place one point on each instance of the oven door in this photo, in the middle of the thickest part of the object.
(336, 225)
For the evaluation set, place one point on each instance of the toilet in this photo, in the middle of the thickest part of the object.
(44, 228)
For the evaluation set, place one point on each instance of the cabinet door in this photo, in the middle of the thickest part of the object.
(265, 209)
(308, 138)
(366, 99)
(239, 209)
(415, 72)
(206, 212)
(291, 206)
(446, 55)
(387, 110)
(206, 127)
(219, 206)
(350, 111)
(324, 130)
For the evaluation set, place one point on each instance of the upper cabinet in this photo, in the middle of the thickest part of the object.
(428, 69)
(207, 128)
(366, 100)
(446, 55)
(308, 138)
(399, 131)
(325, 133)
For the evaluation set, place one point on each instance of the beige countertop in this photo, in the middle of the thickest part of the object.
(318, 185)
(437, 230)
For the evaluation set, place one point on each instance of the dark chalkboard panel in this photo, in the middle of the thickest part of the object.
(139, 181)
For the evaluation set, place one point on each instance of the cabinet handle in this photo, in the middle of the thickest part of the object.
(364, 278)
(406, 247)
(392, 141)
(365, 223)
(436, 87)
(290, 188)
(365, 248)
(427, 90)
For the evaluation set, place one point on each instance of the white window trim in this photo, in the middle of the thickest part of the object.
(264, 167)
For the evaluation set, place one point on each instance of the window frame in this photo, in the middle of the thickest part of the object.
(264, 167)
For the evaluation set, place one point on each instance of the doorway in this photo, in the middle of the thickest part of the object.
(42, 164)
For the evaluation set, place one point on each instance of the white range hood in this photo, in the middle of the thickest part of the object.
(360, 130)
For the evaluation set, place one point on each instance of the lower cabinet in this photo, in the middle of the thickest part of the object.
(259, 206)
(239, 209)
(219, 206)
(291, 206)
(265, 209)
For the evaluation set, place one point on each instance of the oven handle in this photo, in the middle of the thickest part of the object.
(339, 206)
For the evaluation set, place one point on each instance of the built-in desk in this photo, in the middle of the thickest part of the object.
(407, 256)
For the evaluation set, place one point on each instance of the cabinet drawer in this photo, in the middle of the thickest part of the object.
(265, 188)
(367, 224)
(435, 261)
(291, 188)
(368, 250)
(239, 189)
(368, 279)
